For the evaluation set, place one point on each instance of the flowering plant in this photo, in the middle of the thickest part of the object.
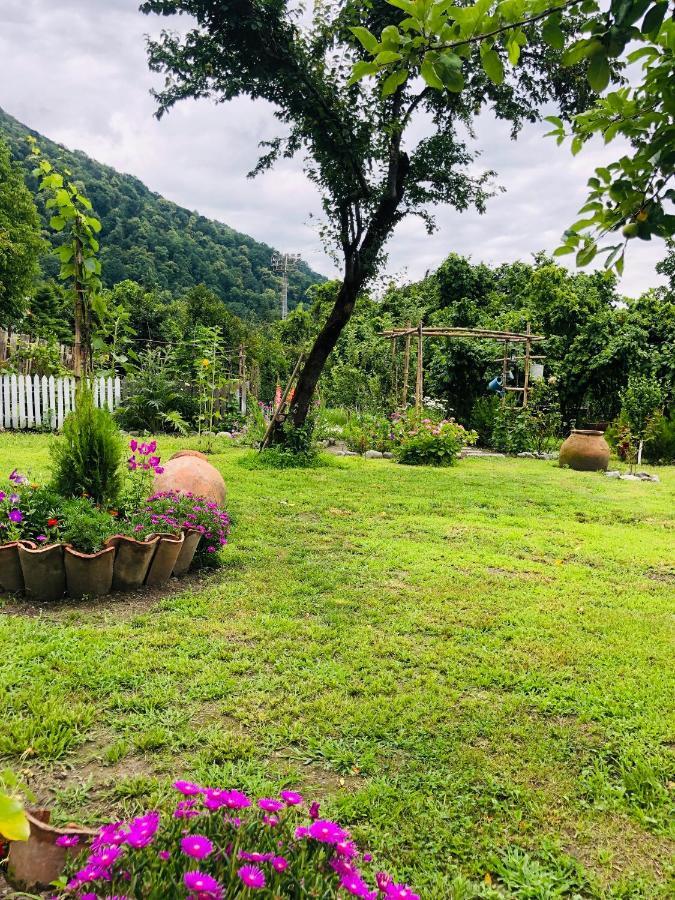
(424, 442)
(142, 466)
(172, 512)
(11, 515)
(218, 844)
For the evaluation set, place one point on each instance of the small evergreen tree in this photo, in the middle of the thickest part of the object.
(88, 458)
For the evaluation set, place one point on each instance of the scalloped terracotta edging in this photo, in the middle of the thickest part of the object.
(165, 558)
(11, 577)
(34, 864)
(89, 574)
(187, 551)
(132, 560)
(44, 571)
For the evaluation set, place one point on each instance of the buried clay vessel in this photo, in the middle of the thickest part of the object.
(11, 578)
(165, 558)
(34, 864)
(189, 472)
(187, 551)
(44, 571)
(132, 560)
(89, 574)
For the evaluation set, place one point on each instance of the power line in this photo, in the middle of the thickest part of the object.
(283, 263)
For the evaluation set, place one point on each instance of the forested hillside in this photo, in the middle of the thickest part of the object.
(161, 245)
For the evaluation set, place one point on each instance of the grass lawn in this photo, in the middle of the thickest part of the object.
(472, 667)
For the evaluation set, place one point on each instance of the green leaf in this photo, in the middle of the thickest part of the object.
(577, 144)
(57, 223)
(598, 72)
(492, 65)
(428, 73)
(14, 825)
(360, 70)
(393, 82)
(586, 254)
(552, 34)
(93, 223)
(390, 35)
(580, 50)
(406, 5)
(562, 251)
(65, 253)
(513, 50)
(654, 18)
(448, 69)
(386, 57)
(365, 38)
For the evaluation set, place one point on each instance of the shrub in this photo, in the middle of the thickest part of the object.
(87, 460)
(85, 526)
(368, 432)
(298, 450)
(156, 400)
(218, 843)
(661, 446)
(483, 417)
(427, 443)
(533, 428)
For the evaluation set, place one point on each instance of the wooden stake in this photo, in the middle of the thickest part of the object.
(419, 384)
(406, 370)
(284, 397)
(505, 369)
(526, 383)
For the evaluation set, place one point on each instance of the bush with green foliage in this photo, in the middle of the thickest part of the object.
(86, 527)
(297, 451)
(423, 442)
(640, 403)
(87, 460)
(369, 432)
(534, 428)
(660, 448)
(155, 398)
(482, 419)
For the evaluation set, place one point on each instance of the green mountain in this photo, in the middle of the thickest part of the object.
(159, 244)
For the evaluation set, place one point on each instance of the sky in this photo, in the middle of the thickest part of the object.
(76, 71)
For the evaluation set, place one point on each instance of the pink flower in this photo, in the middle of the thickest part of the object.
(133, 445)
(314, 810)
(346, 849)
(252, 877)
(383, 881)
(164, 854)
(236, 800)
(301, 832)
(356, 886)
(105, 857)
(291, 798)
(269, 804)
(188, 788)
(327, 832)
(205, 885)
(67, 840)
(256, 857)
(279, 863)
(400, 892)
(271, 820)
(197, 846)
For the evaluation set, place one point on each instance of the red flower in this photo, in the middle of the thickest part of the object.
(52, 522)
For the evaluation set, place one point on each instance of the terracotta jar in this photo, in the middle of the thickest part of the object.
(89, 574)
(11, 578)
(132, 560)
(187, 552)
(35, 863)
(44, 571)
(192, 474)
(585, 450)
(165, 558)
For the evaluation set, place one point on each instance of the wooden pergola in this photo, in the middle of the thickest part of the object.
(420, 332)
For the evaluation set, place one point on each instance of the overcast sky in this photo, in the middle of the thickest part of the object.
(76, 71)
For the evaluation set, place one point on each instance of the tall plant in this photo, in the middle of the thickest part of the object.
(87, 459)
(72, 216)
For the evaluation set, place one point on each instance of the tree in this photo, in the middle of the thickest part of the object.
(21, 244)
(639, 404)
(355, 134)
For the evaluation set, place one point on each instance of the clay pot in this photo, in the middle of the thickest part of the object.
(585, 450)
(44, 571)
(187, 552)
(89, 574)
(196, 453)
(35, 863)
(11, 578)
(165, 558)
(132, 560)
(192, 474)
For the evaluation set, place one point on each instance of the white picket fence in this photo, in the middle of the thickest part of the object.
(27, 401)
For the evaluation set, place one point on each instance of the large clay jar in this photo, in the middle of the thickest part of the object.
(132, 560)
(165, 558)
(187, 552)
(189, 472)
(89, 574)
(11, 579)
(44, 571)
(585, 450)
(35, 863)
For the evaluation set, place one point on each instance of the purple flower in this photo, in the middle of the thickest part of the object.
(2, 496)
(356, 886)
(17, 478)
(301, 832)
(271, 820)
(252, 876)
(236, 800)
(269, 804)
(204, 884)
(197, 846)
(15, 516)
(327, 832)
(105, 857)
(291, 798)
(133, 445)
(346, 849)
(41, 538)
(314, 810)
(400, 892)
(67, 840)
(159, 470)
(189, 788)
(383, 881)
(279, 863)
(164, 854)
(256, 857)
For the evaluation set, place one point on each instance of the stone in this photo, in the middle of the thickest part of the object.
(189, 472)
(629, 477)
(350, 453)
(388, 455)
(224, 434)
(613, 474)
(526, 455)
(373, 454)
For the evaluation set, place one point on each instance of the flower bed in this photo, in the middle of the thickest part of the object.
(51, 544)
(218, 844)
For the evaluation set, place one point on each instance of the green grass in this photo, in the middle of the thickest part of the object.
(472, 667)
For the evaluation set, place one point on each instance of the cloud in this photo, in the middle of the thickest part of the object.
(76, 71)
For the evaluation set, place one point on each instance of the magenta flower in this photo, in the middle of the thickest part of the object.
(15, 516)
(164, 854)
(256, 857)
(41, 538)
(291, 798)
(133, 445)
(105, 857)
(346, 849)
(203, 884)
(280, 863)
(197, 846)
(400, 892)
(327, 832)
(67, 840)
(189, 788)
(383, 880)
(301, 832)
(269, 804)
(357, 887)
(314, 810)
(252, 877)
(236, 800)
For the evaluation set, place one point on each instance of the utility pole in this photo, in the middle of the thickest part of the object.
(283, 263)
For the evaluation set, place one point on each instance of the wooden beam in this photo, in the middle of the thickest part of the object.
(406, 371)
(419, 382)
(526, 382)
